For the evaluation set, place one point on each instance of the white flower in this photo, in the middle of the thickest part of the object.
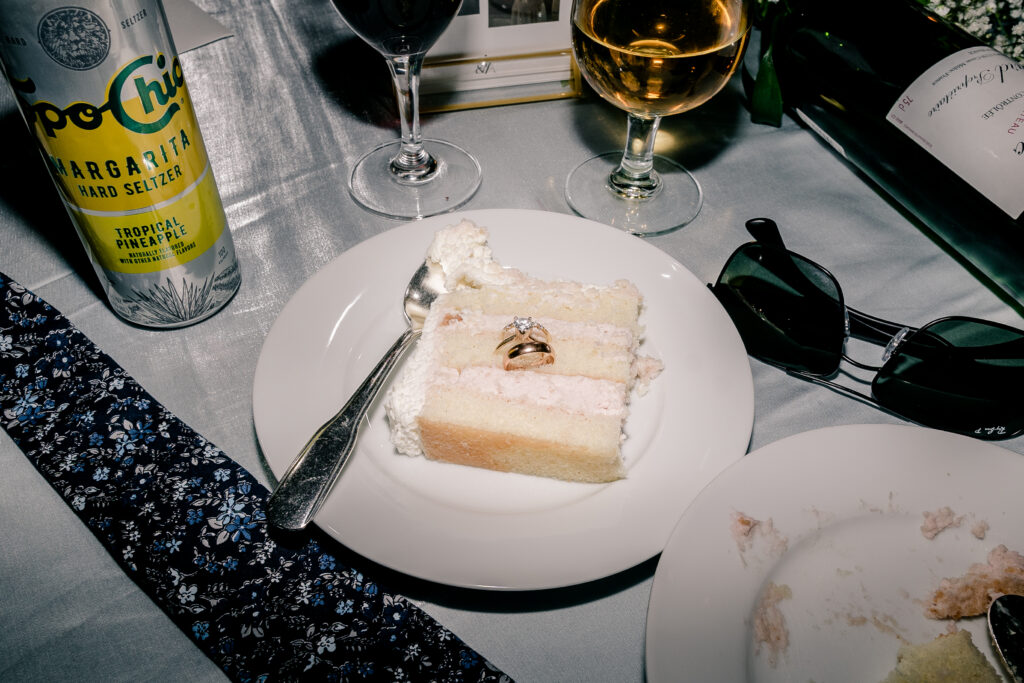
(326, 644)
(187, 594)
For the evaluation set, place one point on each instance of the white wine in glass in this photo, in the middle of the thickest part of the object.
(412, 177)
(651, 58)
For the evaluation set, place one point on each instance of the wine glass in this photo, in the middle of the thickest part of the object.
(412, 177)
(652, 58)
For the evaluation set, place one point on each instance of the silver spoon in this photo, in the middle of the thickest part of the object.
(308, 480)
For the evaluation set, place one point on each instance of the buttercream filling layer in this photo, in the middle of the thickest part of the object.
(604, 334)
(567, 393)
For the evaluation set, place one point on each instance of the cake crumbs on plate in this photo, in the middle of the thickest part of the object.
(938, 521)
(746, 530)
(970, 595)
(769, 623)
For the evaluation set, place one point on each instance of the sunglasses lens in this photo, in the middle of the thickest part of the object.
(788, 310)
(958, 374)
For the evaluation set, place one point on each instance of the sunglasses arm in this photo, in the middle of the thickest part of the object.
(840, 389)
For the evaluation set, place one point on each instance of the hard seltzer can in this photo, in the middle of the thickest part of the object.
(101, 88)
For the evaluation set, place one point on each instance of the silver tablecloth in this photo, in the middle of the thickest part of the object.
(286, 106)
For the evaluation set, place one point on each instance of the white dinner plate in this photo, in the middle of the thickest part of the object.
(470, 527)
(848, 503)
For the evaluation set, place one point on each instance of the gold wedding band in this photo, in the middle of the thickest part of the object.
(529, 354)
(530, 342)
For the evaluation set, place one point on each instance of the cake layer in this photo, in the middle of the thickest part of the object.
(488, 430)
(463, 445)
(618, 304)
(527, 403)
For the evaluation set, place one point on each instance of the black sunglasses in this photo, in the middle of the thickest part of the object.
(958, 374)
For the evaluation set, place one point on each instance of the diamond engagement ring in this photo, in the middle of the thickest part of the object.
(528, 345)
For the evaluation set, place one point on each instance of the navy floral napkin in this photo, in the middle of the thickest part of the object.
(187, 524)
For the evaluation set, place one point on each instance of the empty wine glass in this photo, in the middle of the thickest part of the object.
(652, 59)
(412, 177)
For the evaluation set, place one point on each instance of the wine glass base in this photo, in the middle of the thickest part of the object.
(676, 203)
(374, 187)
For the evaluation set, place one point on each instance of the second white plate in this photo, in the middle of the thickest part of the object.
(476, 528)
(846, 505)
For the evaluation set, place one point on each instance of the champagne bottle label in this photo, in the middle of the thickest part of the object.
(105, 96)
(968, 111)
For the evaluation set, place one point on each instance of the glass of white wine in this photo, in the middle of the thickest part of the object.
(652, 59)
(411, 177)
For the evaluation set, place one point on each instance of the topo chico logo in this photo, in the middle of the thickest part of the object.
(74, 37)
(156, 98)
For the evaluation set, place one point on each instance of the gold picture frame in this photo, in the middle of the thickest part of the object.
(500, 52)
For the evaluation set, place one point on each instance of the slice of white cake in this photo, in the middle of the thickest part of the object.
(455, 402)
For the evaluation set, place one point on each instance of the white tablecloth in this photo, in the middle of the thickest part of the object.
(286, 106)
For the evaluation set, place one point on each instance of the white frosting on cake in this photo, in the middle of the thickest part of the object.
(462, 252)
(405, 398)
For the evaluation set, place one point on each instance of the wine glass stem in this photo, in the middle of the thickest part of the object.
(635, 177)
(413, 164)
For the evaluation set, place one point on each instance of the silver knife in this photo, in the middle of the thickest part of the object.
(1006, 625)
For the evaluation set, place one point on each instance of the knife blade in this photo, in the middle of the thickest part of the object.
(1006, 626)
